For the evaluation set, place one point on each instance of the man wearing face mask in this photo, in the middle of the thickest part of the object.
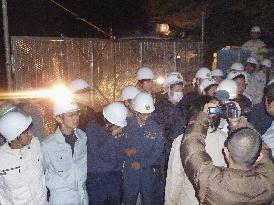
(144, 151)
(171, 115)
(106, 154)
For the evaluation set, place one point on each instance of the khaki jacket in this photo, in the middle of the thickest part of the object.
(179, 190)
(220, 185)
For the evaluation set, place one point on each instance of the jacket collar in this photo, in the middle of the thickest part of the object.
(59, 137)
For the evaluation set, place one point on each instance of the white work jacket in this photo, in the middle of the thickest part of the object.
(268, 138)
(66, 174)
(22, 180)
(179, 190)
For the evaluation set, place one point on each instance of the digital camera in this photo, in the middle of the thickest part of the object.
(227, 110)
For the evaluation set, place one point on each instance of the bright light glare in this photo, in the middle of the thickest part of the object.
(56, 93)
(160, 80)
(60, 93)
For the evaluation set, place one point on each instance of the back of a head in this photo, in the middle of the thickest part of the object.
(244, 146)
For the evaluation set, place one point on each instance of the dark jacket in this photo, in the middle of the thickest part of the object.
(219, 185)
(259, 118)
(172, 118)
(105, 152)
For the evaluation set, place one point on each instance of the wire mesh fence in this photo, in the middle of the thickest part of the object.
(108, 65)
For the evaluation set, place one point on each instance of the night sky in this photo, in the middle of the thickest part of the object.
(227, 23)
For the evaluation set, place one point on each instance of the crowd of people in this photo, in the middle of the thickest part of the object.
(212, 145)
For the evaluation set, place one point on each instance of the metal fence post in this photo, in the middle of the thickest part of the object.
(7, 43)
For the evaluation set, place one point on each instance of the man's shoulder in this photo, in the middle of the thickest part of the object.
(81, 134)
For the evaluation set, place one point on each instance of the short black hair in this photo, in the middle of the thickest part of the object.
(180, 83)
(209, 87)
(239, 76)
(269, 93)
(144, 80)
(244, 145)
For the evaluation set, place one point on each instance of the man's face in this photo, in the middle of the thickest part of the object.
(25, 138)
(255, 35)
(241, 85)
(250, 68)
(269, 107)
(176, 88)
(147, 86)
(212, 91)
(69, 120)
(218, 79)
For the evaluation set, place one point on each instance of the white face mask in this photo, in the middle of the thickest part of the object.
(177, 96)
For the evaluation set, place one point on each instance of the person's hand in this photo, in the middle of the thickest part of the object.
(239, 122)
(208, 105)
(131, 151)
(237, 106)
(135, 166)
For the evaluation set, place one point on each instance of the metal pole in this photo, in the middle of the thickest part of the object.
(203, 34)
(7, 43)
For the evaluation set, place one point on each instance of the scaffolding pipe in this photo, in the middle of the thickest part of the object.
(7, 43)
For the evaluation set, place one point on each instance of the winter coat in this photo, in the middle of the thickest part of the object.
(66, 174)
(179, 190)
(22, 180)
(219, 185)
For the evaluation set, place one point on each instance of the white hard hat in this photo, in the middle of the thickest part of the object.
(173, 78)
(143, 103)
(206, 83)
(233, 74)
(256, 29)
(116, 113)
(252, 60)
(230, 86)
(66, 106)
(203, 73)
(78, 84)
(129, 92)
(266, 63)
(237, 66)
(13, 124)
(145, 74)
(217, 72)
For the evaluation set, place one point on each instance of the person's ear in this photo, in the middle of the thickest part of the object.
(261, 156)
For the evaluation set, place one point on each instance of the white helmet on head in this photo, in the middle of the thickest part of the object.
(256, 29)
(252, 60)
(143, 103)
(13, 124)
(203, 73)
(217, 72)
(78, 84)
(233, 74)
(230, 86)
(129, 92)
(237, 66)
(206, 83)
(116, 113)
(66, 106)
(145, 73)
(266, 63)
(173, 78)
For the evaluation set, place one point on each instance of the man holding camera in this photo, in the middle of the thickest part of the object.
(249, 177)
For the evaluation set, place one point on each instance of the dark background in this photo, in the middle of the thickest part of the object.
(227, 22)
